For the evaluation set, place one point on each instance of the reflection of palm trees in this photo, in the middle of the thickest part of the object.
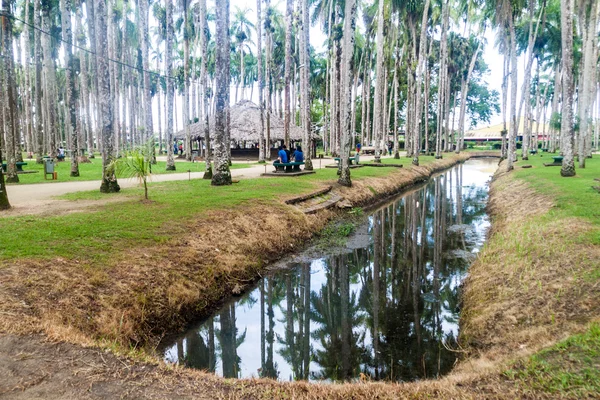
(335, 310)
(384, 310)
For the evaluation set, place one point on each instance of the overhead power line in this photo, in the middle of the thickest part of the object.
(60, 39)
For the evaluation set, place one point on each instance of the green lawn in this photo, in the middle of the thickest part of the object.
(570, 368)
(97, 235)
(93, 171)
(574, 196)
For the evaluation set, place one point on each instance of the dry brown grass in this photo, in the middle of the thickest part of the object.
(149, 291)
(527, 290)
(368, 191)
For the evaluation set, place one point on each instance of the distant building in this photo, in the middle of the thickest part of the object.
(494, 132)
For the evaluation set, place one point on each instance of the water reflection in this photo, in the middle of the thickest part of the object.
(388, 310)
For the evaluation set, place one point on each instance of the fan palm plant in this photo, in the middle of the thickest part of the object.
(137, 164)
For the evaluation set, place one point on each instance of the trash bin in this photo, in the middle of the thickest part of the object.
(48, 167)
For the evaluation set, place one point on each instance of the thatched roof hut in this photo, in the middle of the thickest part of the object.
(244, 125)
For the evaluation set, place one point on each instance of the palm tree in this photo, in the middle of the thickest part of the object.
(136, 164)
(170, 88)
(378, 107)
(203, 82)
(222, 175)
(145, 39)
(288, 66)
(186, 79)
(567, 133)
(347, 55)
(305, 84)
(261, 87)
(72, 94)
(109, 180)
(9, 103)
(242, 30)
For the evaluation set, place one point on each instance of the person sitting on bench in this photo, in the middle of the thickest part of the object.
(282, 155)
(298, 157)
(298, 154)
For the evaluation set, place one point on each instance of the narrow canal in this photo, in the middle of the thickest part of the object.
(384, 308)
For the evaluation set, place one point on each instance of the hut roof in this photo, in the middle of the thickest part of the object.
(245, 125)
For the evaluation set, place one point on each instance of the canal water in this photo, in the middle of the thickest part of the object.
(386, 307)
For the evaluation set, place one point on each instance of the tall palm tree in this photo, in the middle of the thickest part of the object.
(186, 79)
(222, 175)
(170, 88)
(203, 85)
(145, 39)
(288, 67)
(305, 84)
(261, 88)
(9, 105)
(567, 132)
(347, 56)
(109, 180)
(378, 106)
(242, 30)
(72, 93)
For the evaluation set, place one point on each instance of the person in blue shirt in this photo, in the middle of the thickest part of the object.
(282, 155)
(298, 154)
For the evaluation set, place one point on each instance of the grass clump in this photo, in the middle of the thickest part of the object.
(570, 368)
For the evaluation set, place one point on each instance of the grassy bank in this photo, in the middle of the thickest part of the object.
(536, 283)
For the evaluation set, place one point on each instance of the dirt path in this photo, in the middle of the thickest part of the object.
(32, 368)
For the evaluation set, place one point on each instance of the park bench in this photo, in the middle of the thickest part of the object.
(545, 150)
(533, 151)
(287, 167)
(351, 160)
(557, 162)
(19, 166)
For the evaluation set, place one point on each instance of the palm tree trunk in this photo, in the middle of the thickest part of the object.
(268, 70)
(94, 122)
(305, 85)
(287, 68)
(147, 117)
(109, 180)
(186, 86)
(203, 93)
(379, 85)
(419, 83)
(9, 103)
(39, 133)
(170, 88)
(567, 133)
(261, 88)
(50, 83)
(348, 51)
(72, 94)
(514, 124)
(222, 175)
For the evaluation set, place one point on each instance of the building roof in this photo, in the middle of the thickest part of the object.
(494, 132)
(245, 125)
